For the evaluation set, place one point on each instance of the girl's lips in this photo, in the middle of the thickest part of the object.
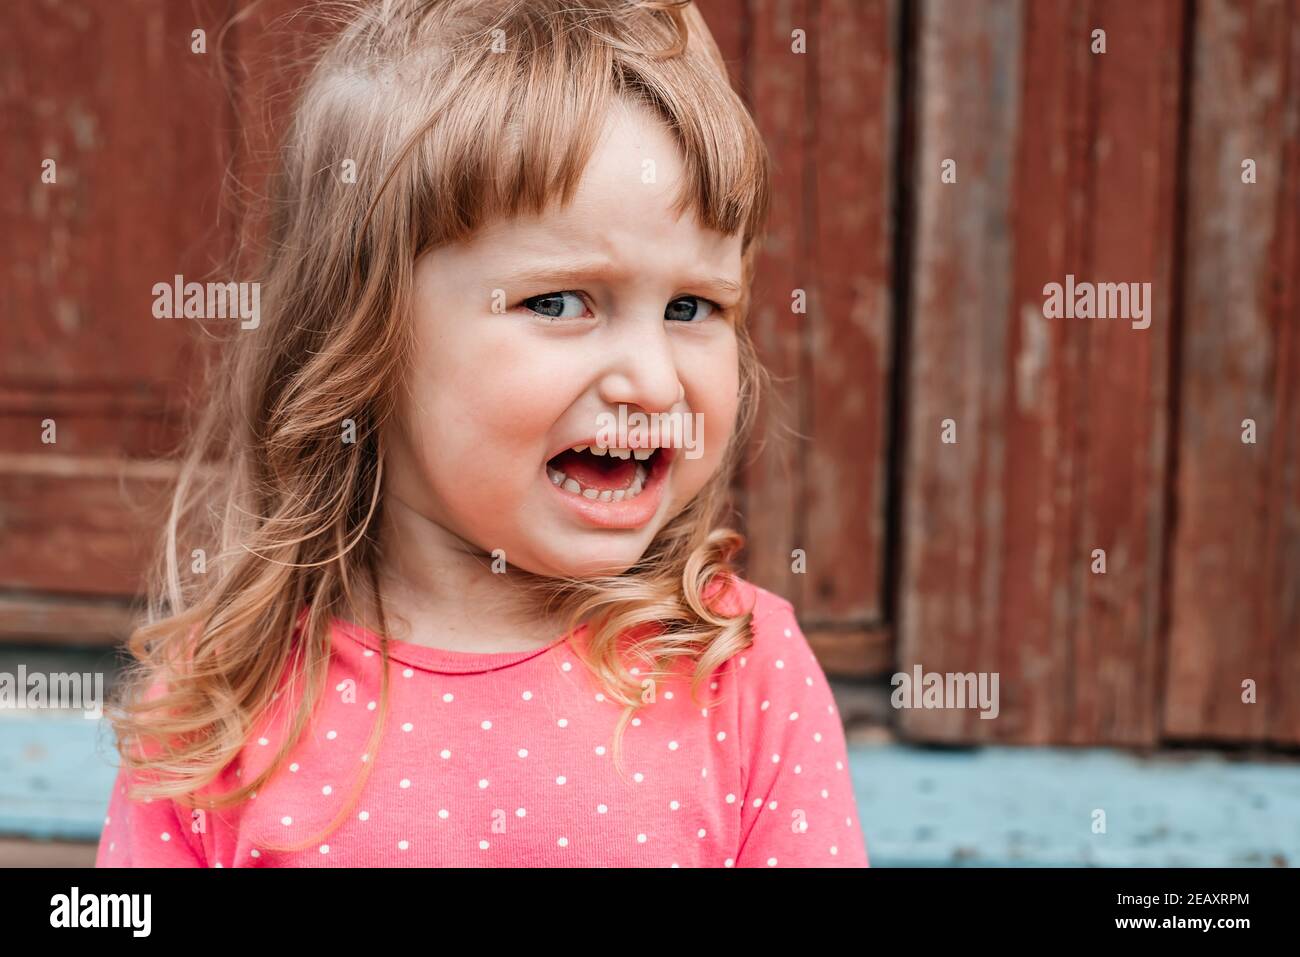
(629, 513)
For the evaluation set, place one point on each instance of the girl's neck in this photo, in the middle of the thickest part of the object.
(439, 591)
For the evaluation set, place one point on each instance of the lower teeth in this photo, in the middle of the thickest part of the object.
(560, 480)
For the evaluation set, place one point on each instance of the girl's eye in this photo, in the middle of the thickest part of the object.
(553, 305)
(690, 309)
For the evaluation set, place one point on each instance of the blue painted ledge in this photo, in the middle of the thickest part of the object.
(920, 807)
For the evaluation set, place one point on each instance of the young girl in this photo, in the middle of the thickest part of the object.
(427, 599)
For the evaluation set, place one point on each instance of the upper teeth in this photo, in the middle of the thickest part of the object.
(641, 454)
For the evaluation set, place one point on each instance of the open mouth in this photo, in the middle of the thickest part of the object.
(605, 475)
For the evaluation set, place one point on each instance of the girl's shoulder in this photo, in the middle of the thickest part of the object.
(732, 595)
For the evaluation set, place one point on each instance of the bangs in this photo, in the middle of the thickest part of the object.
(531, 89)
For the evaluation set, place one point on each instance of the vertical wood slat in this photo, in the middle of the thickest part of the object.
(1235, 593)
(1065, 163)
(778, 80)
(818, 483)
(848, 339)
(138, 125)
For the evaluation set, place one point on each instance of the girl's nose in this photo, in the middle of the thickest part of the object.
(644, 373)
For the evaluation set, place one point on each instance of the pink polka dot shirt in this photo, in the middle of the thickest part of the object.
(507, 760)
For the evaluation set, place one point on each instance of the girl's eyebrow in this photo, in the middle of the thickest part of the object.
(568, 273)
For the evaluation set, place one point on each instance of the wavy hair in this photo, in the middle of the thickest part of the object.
(468, 109)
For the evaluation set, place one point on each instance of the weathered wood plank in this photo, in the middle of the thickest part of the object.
(850, 311)
(779, 84)
(138, 125)
(1065, 163)
(1235, 592)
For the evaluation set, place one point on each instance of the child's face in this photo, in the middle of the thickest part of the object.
(510, 372)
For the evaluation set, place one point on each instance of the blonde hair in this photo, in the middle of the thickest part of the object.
(456, 111)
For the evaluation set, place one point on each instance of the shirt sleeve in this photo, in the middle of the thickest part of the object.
(146, 833)
(799, 807)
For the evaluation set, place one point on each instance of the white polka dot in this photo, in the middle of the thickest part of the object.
(728, 863)
(486, 725)
(600, 749)
(327, 790)
(721, 735)
(794, 715)
(482, 845)
(483, 782)
(527, 696)
(599, 696)
(364, 815)
(713, 686)
(563, 842)
(601, 808)
(817, 736)
(324, 849)
(668, 695)
(520, 812)
(758, 802)
(368, 653)
(331, 735)
(731, 799)
(407, 673)
(563, 722)
(365, 758)
(674, 805)
(776, 758)
(403, 845)
(404, 783)
(263, 742)
(835, 850)
(771, 806)
(700, 832)
(566, 667)
(636, 722)
(448, 697)
(638, 777)
(286, 820)
(825, 793)
(672, 745)
(255, 852)
(780, 663)
(370, 706)
(444, 814)
(640, 838)
(165, 836)
(561, 779)
(408, 726)
(444, 754)
(764, 706)
(523, 752)
(787, 633)
(771, 862)
(294, 767)
(798, 769)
